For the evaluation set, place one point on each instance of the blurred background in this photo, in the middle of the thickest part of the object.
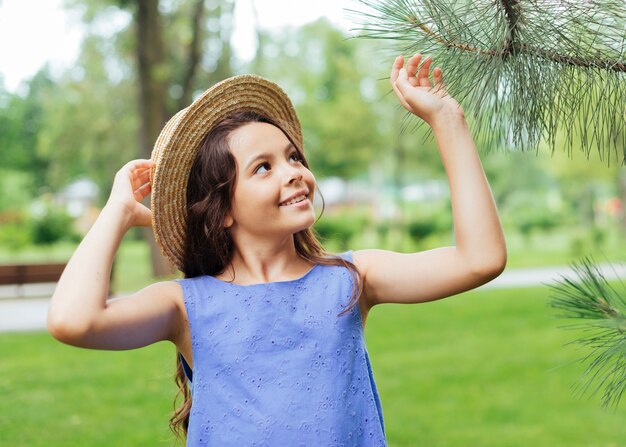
(87, 85)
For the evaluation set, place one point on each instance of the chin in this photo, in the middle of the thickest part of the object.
(304, 227)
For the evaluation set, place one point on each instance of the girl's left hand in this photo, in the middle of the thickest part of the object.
(413, 88)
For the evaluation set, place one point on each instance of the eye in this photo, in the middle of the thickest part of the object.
(295, 156)
(262, 168)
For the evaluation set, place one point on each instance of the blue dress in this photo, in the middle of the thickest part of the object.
(274, 364)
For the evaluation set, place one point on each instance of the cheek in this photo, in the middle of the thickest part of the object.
(248, 197)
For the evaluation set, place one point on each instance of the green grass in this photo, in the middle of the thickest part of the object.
(57, 395)
(485, 368)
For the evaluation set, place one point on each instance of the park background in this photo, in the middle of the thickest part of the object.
(484, 368)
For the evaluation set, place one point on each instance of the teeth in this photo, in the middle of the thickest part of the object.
(295, 200)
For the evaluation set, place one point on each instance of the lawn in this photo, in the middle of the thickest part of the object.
(485, 368)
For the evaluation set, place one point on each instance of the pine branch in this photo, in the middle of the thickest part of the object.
(602, 311)
(525, 70)
(516, 48)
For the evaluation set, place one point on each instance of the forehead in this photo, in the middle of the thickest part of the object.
(254, 138)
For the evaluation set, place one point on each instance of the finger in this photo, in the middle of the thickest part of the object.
(401, 98)
(411, 69)
(142, 175)
(140, 163)
(401, 86)
(422, 75)
(141, 192)
(395, 69)
(141, 167)
(140, 179)
(438, 78)
(412, 64)
(132, 166)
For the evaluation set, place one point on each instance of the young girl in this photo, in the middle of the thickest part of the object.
(268, 326)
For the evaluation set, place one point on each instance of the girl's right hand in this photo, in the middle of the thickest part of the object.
(413, 88)
(130, 187)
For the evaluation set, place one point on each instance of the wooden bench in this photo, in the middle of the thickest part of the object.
(19, 275)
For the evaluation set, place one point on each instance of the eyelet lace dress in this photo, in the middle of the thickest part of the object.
(274, 364)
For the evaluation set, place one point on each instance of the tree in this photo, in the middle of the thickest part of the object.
(20, 120)
(88, 125)
(523, 69)
(159, 54)
(340, 129)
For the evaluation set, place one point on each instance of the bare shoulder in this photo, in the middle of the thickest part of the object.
(169, 296)
(164, 290)
(163, 294)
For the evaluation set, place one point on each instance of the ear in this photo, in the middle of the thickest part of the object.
(228, 221)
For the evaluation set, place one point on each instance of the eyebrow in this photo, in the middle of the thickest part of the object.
(268, 155)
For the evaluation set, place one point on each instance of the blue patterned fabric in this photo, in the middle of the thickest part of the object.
(274, 364)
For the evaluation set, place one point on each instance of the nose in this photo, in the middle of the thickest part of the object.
(294, 174)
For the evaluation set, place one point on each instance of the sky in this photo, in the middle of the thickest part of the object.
(33, 32)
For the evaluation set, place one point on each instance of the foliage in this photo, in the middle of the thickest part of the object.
(20, 122)
(513, 173)
(14, 236)
(340, 129)
(16, 189)
(428, 222)
(523, 69)
(530, 211)
(53, 226)
(89, 125)
(341, 226)
(20, 228)
(601, 311)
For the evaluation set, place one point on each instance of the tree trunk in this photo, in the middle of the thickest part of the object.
(152, 95)
(194, 54)
(224, 67)
(261, 40)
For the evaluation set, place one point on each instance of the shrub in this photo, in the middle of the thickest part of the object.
(426, 223)
(341, 226)
(14, 236)
(54, 226)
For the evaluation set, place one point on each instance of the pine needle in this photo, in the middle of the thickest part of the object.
(549, 72)
(601, 310)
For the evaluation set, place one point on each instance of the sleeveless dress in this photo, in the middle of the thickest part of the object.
(274, 364)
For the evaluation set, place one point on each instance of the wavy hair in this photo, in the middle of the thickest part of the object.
(209, 247)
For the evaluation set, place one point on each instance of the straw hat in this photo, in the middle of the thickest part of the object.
(178, 143)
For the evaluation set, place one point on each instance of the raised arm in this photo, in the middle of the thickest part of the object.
(480, 251)
(79, 312)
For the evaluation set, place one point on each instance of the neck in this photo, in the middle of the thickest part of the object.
(257, 261)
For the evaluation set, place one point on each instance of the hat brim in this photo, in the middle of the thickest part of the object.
(179, 141)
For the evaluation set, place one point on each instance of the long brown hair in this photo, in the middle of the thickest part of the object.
(209, 246)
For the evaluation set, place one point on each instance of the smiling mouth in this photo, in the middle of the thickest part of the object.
(298, 199)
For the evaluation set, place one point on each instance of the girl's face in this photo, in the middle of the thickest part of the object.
(274, 191)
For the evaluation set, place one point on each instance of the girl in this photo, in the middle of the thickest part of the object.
(268, 326)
